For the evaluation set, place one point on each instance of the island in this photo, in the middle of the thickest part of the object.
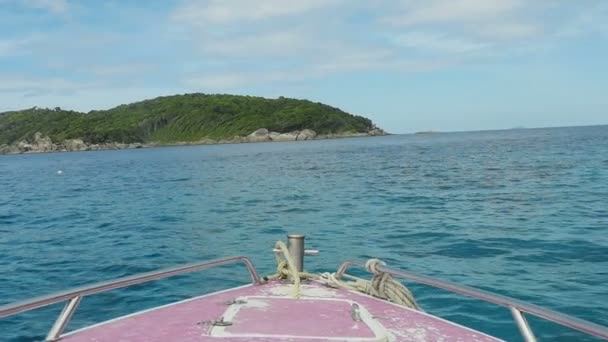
(178, 120)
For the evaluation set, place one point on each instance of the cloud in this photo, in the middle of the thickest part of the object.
(226, 80)
(457, 26)
(271, 29)
(119, 69)
(262, 47)
(317, 43)
(207, 12)
(275, 43)
(230, 80)
(512, 30)
(41, 85)
(242, 29)
(17, 46)
(593, 19)
(355, 62)
(440, 11)
(53, 6)
(437, 42)
(227, 44)
(9, 47)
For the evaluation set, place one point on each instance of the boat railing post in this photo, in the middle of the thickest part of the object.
(522, 324)
(295, 244)
(64, 319)
(255, 278)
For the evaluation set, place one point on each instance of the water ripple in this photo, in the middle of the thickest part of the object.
(520, 212)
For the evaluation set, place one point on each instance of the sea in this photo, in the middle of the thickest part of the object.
(520, 212)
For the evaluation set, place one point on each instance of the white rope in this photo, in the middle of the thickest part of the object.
(382, 285)
(286, 268)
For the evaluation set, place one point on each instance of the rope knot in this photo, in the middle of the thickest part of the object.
(382, 285)
(372, 266)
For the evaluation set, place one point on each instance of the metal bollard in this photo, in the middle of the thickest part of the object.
(295, 243)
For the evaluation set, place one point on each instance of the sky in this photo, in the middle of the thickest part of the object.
(409, 65)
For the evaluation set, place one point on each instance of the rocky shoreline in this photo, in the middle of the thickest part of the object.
(44, 144)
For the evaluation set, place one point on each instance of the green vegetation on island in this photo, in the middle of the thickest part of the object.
(180, 118)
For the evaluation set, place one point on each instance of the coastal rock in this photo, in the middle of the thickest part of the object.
(350, 135)
(204, 141)
(325, 136)
(291, 136)
(234, 140)
(376, 132)
(24, 146)
(306, 134)
(42, 144)
(74, 145)
(9, 149)
(260, 132)
(357, 135)
(259, 135)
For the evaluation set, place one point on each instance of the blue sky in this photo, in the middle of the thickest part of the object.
(409, 65)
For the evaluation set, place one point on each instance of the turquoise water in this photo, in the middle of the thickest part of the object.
(522, 212)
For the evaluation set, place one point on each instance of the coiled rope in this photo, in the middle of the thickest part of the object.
(382, 285)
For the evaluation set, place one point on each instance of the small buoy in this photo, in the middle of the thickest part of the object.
(59, 172)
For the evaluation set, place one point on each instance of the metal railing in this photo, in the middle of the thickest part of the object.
(74, 296)
(517, 307)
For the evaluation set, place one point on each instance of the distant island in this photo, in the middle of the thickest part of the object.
(178, 120)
